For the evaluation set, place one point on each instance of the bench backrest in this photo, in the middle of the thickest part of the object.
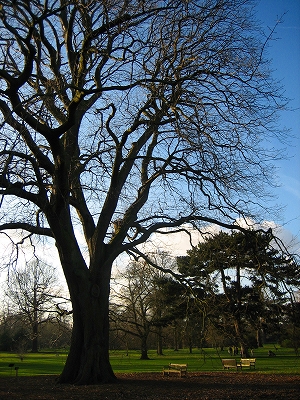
(179, 366)
(229, 361)
(248, 360)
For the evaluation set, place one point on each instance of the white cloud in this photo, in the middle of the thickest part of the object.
(178, 243)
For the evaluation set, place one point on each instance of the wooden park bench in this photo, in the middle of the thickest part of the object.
(176, 368)
(231, 363)
(248, 362)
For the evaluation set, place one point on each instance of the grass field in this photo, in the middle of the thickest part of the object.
(47, 363)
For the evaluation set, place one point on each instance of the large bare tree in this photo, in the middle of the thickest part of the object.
(123, 118)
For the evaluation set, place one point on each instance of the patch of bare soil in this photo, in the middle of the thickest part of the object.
(204, 386)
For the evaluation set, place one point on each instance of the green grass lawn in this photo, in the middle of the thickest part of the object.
(46, 363)
(43, 363)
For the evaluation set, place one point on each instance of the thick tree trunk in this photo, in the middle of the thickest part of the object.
(34, 343)
(89, 287)
(175, 336)
(243, 344)
(190, 346)
(35, 323)
(259, 337)
(144, 348)
(88, 359)
(159, 342)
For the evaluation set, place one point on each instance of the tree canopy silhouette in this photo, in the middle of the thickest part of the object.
(246, 279)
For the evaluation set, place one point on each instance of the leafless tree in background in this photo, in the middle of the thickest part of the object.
(33, 294)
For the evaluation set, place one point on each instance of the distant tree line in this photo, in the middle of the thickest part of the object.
(15, 336)
(234, 289)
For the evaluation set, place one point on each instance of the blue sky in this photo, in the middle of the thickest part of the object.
(285, 55)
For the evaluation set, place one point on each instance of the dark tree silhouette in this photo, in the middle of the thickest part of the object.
(246, 277)
(121, 119)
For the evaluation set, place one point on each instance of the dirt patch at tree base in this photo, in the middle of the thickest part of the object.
(153, 386)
